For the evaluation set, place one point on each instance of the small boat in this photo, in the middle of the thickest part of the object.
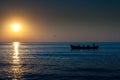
(87, 47)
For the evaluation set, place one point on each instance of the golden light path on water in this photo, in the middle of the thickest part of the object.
(16, 68)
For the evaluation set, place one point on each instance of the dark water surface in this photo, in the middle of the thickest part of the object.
(56, 61)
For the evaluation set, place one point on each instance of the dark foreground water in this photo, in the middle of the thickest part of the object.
(56, 61)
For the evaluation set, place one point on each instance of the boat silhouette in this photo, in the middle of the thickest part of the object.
(85, 47)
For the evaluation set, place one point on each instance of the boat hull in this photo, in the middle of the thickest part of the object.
(84, 47)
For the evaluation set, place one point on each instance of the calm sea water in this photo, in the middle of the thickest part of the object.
(56, 61)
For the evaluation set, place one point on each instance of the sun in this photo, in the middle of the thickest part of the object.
(16, 27)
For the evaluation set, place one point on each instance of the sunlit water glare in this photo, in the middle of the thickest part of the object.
(16, 67)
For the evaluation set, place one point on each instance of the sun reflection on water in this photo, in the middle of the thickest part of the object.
(16, 68)
(16, 53)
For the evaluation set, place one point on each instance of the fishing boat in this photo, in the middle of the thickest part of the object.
(87, 47)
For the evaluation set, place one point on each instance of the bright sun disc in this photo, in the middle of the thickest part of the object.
(16, 27)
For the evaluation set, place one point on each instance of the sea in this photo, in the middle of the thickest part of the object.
(57, 61)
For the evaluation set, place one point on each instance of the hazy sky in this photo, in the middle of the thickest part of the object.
(60, 20)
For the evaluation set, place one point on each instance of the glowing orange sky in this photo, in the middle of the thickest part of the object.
(73, 20)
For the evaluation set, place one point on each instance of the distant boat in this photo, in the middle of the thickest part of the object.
(87, 47)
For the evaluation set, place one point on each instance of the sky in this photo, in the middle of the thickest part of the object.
(60, 20)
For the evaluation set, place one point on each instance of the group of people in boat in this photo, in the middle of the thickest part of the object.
(93, 46)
